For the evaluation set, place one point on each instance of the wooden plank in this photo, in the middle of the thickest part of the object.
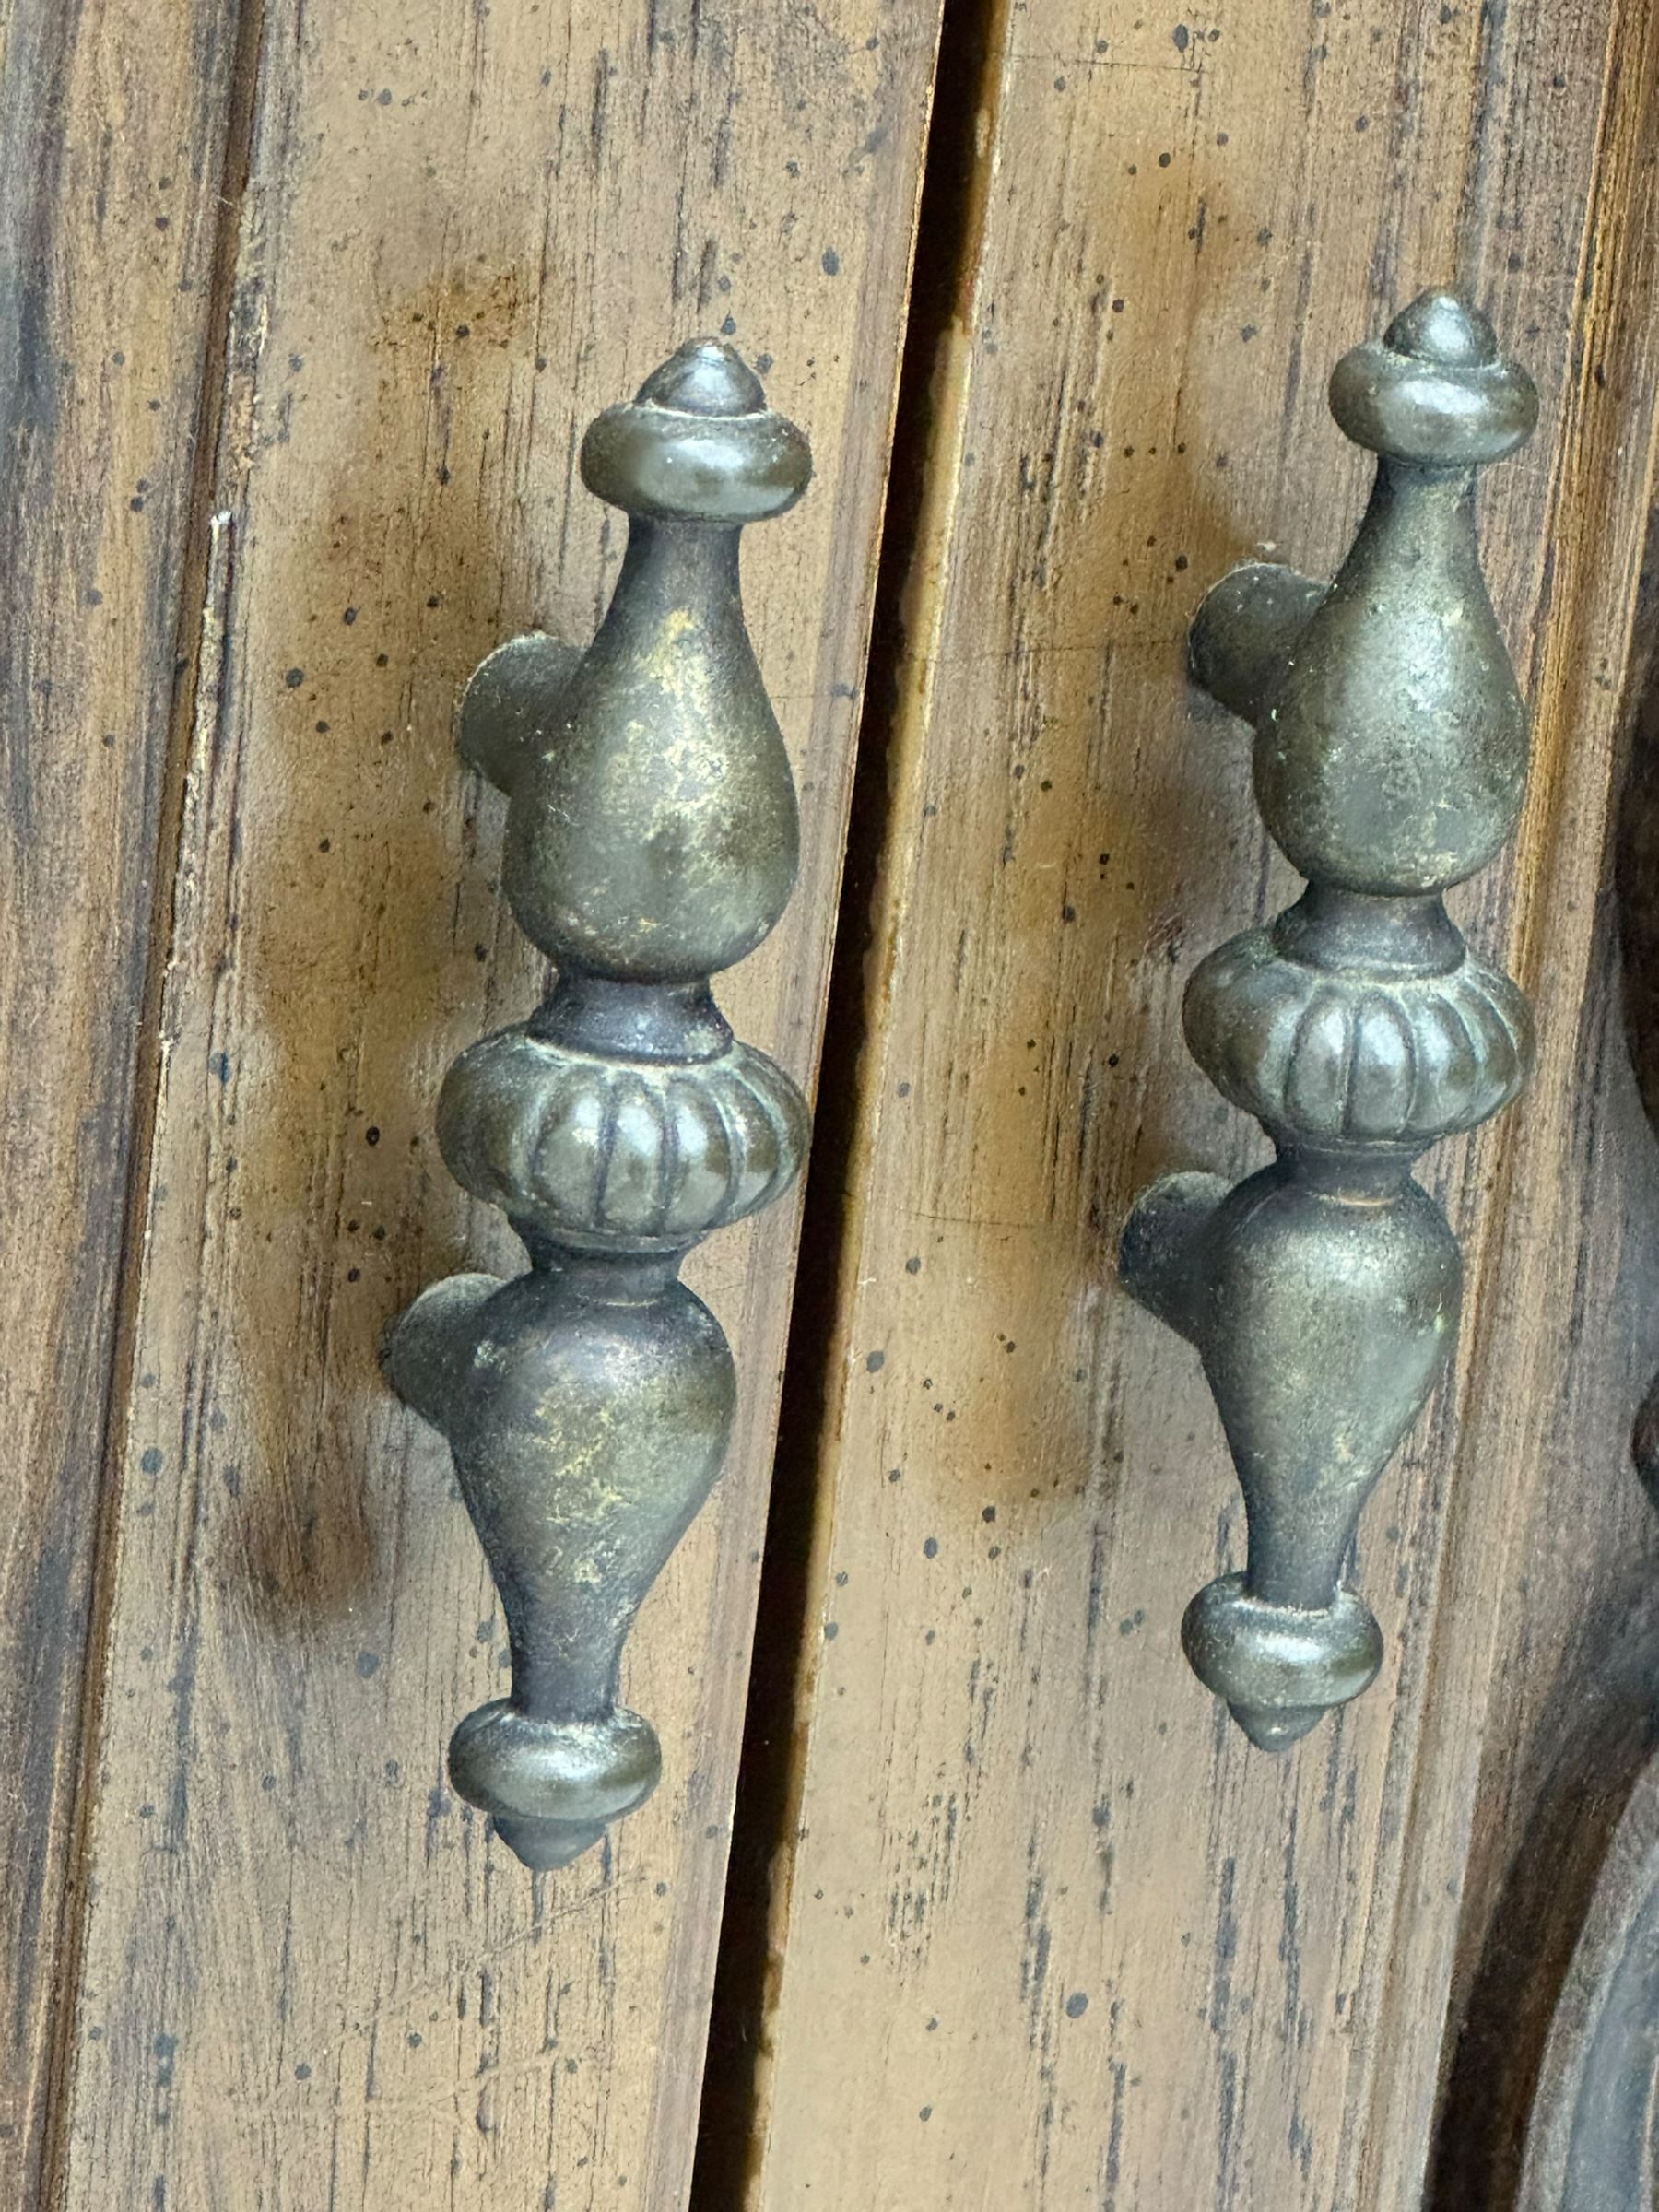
(1046, 1925)
(1573, 1715)
(307, 1977)
(1593, 2142)
(114, 119)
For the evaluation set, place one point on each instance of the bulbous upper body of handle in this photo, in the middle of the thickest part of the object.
(654, 837)
(1391, 757)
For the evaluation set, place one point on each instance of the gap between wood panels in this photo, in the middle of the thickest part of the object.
(949, 221)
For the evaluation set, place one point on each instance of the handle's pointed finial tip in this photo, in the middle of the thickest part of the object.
(704, 376)
(1442, 327)
(1272, 1729)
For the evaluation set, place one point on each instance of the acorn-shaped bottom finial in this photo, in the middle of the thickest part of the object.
(552, 1786)
(1280, 1668)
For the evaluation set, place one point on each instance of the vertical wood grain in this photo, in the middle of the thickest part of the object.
(1043, 1922)
(1539, 1270)
(114, 121)
(307, 1977)
(1573, 1710)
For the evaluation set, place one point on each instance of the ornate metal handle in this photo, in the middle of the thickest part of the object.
(652, 841)
(1391, 747)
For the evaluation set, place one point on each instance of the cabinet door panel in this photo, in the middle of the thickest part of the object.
(307, 1977)
(1044, 1921)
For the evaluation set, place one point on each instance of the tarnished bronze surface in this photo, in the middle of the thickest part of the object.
(1391, 752)
(651, 842)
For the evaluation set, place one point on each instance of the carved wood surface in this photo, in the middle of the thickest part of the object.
(306, 1978)
(1594, 2144)
(1087, 1949)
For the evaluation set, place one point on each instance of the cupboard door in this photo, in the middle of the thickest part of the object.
(1043, 1920)
(305, 1974)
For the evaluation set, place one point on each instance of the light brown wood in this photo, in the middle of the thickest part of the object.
(1046, 1925)
(114, 121)
(307, 1978)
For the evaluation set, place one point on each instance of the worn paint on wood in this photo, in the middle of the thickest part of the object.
(307, 1977)
(113, 120)
(1044, 1923)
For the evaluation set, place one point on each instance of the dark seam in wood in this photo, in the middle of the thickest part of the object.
(972, 59)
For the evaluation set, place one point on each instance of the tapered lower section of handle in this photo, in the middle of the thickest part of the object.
(587, 1404)
(1324, 1315)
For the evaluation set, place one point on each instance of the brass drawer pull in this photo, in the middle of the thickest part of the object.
(1391, 750)
(652, 841)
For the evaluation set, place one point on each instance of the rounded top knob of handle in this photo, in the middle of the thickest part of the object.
(1435, 389)
(698, 443)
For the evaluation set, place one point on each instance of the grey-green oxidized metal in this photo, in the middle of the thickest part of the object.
(1391, 755)
(652, 841)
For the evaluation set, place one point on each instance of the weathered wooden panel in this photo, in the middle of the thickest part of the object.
(1574, 1701)
(1047, 1926)
(309, 1978)
(113, 122)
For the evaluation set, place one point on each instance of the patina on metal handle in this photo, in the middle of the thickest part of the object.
(652, 841)
(1391, 750)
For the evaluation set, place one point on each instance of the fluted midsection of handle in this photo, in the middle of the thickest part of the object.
(652, 841)
(1323, 1293)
